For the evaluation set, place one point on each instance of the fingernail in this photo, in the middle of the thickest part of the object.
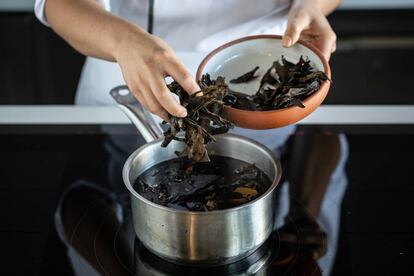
(195, 89)
(286, 41)
(183, 113)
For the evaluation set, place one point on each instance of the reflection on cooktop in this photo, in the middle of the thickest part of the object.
(99, 238)
(64, 209)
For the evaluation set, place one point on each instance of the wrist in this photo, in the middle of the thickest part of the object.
(122, 35)
(323, 6)
(306, 5)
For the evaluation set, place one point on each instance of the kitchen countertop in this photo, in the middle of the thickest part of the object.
(17, 5)
(51, 154)
(326, 114)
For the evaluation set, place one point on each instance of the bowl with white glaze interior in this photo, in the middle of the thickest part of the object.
(239, 56)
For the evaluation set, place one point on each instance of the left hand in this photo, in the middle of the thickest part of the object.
(306, 21)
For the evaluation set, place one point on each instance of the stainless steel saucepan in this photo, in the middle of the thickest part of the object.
(208, 238)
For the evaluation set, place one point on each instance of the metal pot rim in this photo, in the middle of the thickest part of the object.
(268, 192)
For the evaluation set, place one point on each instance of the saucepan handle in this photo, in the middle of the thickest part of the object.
(138, 115)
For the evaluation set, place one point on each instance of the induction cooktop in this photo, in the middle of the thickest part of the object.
(65, 211)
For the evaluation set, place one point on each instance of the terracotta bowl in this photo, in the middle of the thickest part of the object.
(240, 56)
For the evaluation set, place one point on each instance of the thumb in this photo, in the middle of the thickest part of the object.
(296, 24)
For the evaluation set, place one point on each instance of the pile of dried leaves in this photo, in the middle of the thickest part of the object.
(205, 117)
(284, 84)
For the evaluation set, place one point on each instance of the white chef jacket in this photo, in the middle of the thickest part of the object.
(194, 28)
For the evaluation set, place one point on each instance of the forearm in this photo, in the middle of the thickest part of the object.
(88, 27)
(145, 60)
(326, 6)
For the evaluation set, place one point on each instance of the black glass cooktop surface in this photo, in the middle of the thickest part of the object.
(344, 208)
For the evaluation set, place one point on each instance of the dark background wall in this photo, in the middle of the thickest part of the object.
(373, 63)
(37, 66)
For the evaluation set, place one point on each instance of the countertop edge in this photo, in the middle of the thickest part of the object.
(91, 115)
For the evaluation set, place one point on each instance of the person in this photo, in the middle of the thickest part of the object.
(141, 42)
(114, 35)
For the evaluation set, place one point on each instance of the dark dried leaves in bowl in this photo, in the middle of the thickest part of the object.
(284, 84)
(247, 77)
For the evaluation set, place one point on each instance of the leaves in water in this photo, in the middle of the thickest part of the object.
(200, 186)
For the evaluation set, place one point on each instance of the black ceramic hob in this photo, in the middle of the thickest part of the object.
(64, 210)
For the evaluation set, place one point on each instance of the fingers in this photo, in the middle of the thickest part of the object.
(169, 64)
(327, 43)
(327, 38)
(165, 98)
(146, 80)
(148, 101)
(179, 73)
(311, 26)
(297, 22)
(153, 105)
(333, 45)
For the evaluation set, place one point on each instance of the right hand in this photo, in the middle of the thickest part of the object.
(145, 61)
(307, 21)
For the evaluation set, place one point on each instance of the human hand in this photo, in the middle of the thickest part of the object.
(145, 61)
(306, 21)
(301, 229)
